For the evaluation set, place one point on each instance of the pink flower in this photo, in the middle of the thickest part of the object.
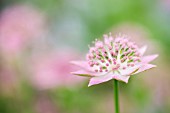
(18, 24)
(53, 70)
(114, 59)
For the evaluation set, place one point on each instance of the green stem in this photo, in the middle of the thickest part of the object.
(116, 95)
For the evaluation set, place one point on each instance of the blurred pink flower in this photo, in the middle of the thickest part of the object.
(53, 70)
(18, 24)
(114, 59)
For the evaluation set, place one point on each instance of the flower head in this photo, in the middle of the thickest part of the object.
(114, 59)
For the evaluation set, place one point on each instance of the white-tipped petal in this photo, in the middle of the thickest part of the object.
(82, 64)
(129, 70)
(85, 73)
(100, 79)
(144, 68)
(122, 78)
(147, 59)
(142, 50)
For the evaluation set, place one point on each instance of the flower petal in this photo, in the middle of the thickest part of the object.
(83, 73)
(130, 70)
(144, 68)
(100, 79)
(122, 78)
(82, 64)
(142, 50)
(147, 59)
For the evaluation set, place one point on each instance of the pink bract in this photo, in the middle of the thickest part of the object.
(114, 58)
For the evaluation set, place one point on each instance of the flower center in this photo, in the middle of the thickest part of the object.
(113, 55)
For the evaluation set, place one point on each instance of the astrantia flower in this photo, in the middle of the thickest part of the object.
(114, 59)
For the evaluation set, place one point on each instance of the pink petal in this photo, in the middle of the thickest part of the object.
(100, 79)
(82, 64)
(147, 59)
(123, 78)
(142, 50)
(130, 70)
(145, 67)
(84, 73)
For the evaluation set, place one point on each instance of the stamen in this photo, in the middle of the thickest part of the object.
(107, 64)
(124, 68)
(102, 61)
(96, 70)
(132, 65)
(113, 54)
(101, 70)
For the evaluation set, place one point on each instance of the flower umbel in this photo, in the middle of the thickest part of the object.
(115, 58)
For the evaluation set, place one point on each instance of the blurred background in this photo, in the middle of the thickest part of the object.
(38, 38)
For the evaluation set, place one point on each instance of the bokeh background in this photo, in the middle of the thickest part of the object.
(38, 39)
